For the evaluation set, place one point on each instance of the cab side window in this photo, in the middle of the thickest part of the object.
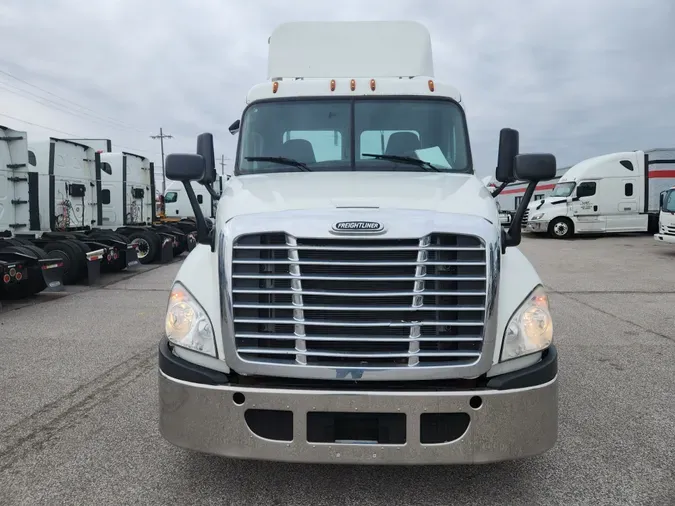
(586, 189)
(171, 197)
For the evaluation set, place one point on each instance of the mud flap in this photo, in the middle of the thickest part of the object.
(94, 259)
(191, 240)
(131, 258)
(166, 255)
(52, 273)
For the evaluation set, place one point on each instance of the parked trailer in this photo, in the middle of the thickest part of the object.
(617, 192)
(26, 267)
(64, 206)
(127, 204)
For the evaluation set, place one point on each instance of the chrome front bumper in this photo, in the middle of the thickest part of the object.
(509, 424)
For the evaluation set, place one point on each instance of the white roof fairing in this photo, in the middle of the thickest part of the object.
(350, 49)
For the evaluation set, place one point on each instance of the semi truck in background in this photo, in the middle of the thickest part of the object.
(357, 300)
(177, 205)
(128, 204)
(510, 197)
(666, 232)
(25, 268)
(612, 193)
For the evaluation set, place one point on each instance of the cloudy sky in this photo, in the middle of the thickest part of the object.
(577, 77)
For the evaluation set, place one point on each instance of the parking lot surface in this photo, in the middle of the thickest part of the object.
(78, 417)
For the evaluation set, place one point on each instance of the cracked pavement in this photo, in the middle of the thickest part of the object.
(78, 417)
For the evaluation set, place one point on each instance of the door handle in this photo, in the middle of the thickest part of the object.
(595, 208)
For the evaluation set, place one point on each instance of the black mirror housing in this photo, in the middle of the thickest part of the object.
(534, 167)
(184, 167)
(205, 150)
(234, 127)
(509, 145)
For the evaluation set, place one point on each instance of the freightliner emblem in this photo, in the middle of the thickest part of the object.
(358, 226)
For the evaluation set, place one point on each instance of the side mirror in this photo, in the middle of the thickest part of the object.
(184, 167)
(205, 150)
(509, 145)
(234, 127)
(535, 167)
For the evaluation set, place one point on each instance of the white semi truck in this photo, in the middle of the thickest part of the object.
(666, 231)
(357, 300)
(617, 192)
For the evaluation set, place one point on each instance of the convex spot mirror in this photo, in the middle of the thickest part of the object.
(509, 145)
(205, 150)
(535, 167)
(184, 167)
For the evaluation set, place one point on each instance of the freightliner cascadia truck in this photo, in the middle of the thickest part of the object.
(358, 300)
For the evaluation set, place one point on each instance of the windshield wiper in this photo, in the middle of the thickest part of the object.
(405, 159)
(280, 159)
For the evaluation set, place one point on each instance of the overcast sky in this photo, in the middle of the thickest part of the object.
(577, 77)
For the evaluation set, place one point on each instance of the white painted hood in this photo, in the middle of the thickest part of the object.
(265, 193)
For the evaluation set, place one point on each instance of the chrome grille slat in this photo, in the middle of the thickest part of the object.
(361, 308)
(360, 264)
(360, 294)
(281, 351)
(351, 338)
(358, 278)
(368, 248)
(293, 321)
(359, 302)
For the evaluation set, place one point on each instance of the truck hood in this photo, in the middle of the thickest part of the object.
(265, 193)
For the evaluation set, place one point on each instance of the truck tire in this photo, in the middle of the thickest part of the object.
(561, 228)
(148, 245)
(74, 267)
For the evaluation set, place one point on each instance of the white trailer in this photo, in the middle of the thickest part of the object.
(666, 232)
(357, 300)
(613, 193)
(25, 268)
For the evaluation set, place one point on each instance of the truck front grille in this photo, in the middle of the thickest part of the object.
(366, 303)
(526, 216)
(670, 230)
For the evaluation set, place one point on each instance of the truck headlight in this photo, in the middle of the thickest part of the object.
(531, 327)
(187, 324)
(537, 216)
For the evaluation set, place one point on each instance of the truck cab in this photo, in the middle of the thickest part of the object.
(612, 193)
(666, 231)
(358, 299)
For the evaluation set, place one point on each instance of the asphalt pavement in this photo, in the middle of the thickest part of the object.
(78, 402)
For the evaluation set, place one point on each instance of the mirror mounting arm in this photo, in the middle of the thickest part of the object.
(513, 236)
(499, 189)
(202, 233)
(212, 192)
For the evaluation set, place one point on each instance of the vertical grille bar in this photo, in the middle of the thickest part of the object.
(418, 300)
(298, 312)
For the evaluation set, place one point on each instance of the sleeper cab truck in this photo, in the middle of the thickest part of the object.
(358, 300)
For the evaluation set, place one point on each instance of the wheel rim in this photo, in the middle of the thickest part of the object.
(561, 228)
(142, 247)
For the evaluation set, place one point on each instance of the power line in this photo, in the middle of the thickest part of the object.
(60, 107)
(67, 100)
(130, 149)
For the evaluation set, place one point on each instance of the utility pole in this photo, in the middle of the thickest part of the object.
(222, 164)
(161, 138)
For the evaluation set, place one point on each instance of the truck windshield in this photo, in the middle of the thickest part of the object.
(563, 189)
(669, 201)
(353, 134)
